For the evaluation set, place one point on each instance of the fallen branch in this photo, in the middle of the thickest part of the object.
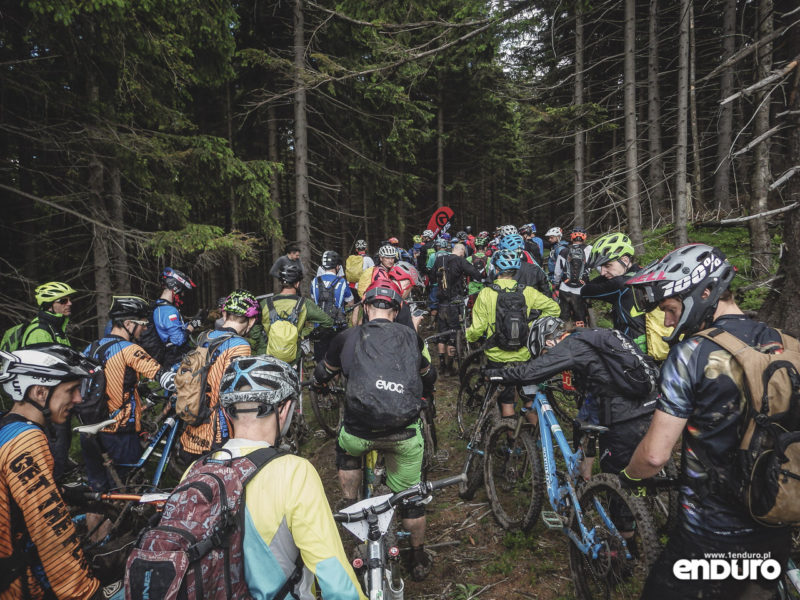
(755, 142)
(785, 177)
(775, 76)
(737, 220)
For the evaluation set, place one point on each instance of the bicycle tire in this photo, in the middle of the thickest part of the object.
(328, 411)
(469, 402)
(564, 402)
(429, 445)
(611, 575)
(108, 557)
(514, 477)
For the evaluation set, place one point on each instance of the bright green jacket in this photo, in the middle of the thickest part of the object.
(47, 328)
(484, 312)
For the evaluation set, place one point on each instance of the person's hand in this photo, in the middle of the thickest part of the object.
(636, 487)
(74, 494)
(496, 375)
(167, 381)
(319, 387)
(193, 324)
(415, 321)
(555, 294)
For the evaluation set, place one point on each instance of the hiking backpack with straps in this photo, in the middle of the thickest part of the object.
(353, 267)
(511, 318)
(327, 299)
(151, 342)
(12, 338)
(93, 407)
(191, 380)
(284, 332)
(767, 461)
(575, 273)
(196, 551)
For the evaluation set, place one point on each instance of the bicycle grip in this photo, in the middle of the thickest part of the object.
(441, 483)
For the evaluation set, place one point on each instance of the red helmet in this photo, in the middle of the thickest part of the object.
(404, 271)
(383, 293)
(393, 241)
(578, 233)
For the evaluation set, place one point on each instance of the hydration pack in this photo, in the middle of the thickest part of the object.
(479, 262)
(576, 272)
(12, 338)
(196, 552)
(353, 267)
(151, 342)
(327, 299)
(284, 332)
(511, 318)
(93, 407)
(191, 380)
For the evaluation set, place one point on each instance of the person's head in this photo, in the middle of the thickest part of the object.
(290, 276)
(506, 263)
(383, 299)
(468, 229)
(47, 378)
(175, 284)
(258, 393)
(687, 284)
(462, 236)
(393, 241)
(441, 244)
(427, 235)
(612, 254)
(481, 241)
(417, 239)
(387, 254)
(331, 260)
(544, 333)
(55, 297)
(578, 235)
(361, 245)
(526, 231)
(240, 311)
(554, 235)
(507, 230)
(130, 316)
(460, 250)
(512, 242)
(292, 252)
(406, 276)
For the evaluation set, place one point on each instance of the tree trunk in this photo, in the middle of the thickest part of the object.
(655, 174)
(781, 308)
(303, 226)
(697, 189)
(122, 276)
(722, 177)
(440, 154)
(631, 146)
(580, 133)
(102, 264)
(682, 200)
(760, 257)
(274, 186)
(236, 267)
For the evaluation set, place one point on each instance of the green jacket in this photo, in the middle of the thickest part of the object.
(284, 303)
(484, 313)
(47, 328)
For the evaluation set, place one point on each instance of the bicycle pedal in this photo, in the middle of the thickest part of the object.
(552, 520)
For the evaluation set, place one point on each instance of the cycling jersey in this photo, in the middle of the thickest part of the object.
(199, 439)
(286, 512)
(35, 525)
(322, 271)
(624, 315)
(169, 323)
(484, 314)
(46, 328)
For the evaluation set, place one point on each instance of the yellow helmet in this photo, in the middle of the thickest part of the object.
(47, 293)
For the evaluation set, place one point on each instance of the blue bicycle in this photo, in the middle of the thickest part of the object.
(613, 540)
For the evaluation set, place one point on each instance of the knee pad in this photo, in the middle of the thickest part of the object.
(412, 511)
(345, 461)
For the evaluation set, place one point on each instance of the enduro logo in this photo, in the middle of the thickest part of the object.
(736, 565)
(389, 386)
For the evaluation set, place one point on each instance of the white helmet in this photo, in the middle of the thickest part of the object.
(554, 232)
(388, 251)
(46, 365)
(508, 230)
(428, 234)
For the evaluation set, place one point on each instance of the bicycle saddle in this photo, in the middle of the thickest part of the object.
(589, 428)
(94, 428)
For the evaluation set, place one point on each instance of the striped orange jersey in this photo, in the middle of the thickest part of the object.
(35, 522)
(124, 362)
(216, 430)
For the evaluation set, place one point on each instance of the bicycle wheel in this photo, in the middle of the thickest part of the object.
(470, 400)
(328, 410)
(474, 463)
(106, 546)
(512, 470)
(664, 505)
(565, 403)
(429, 448)
(611, 574)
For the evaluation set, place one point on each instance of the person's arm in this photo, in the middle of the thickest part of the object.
(276, 267)
(332, 364)
(546, 306)
(140, 361)
(655, 449)
(29, 476)
(600, 287)
(561, 357)
(170, 326)
(559, 272)
(480, 315)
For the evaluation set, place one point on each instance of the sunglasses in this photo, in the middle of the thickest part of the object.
(139, 322)
(66, 300)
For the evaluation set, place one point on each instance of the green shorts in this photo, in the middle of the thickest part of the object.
(403, 457)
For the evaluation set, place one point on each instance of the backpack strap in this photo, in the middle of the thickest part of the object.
(294, 316)
(273, 314)
(725, 340)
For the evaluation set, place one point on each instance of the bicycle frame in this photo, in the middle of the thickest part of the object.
(169, 428)
(563, 496)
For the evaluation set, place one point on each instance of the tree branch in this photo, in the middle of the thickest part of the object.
(776, 75)
(758, 140)
(785, 177)
(737, 220)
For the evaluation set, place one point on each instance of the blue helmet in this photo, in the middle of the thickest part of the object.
(506, 260)
(261, 379)
(512, 242)
(445, 236)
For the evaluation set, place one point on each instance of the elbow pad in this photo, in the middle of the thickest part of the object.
(322, 373)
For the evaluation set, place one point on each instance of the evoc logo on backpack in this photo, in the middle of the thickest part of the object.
(389, 386)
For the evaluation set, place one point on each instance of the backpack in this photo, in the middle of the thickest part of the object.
(151, 342)
(479, 261)
(353, 267)
(575, 273)
(768, 457)
(196, 552)
(632, 372)
(384, 388)
(441, 274)
(511, 318)
(191, 380)
(12, 338)
(655, 330)
(93, 407)
(327, 299)
(283, 332)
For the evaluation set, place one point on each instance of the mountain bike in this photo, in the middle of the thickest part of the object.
(328, 406)
(613, 541)
(476, 441)
(369, 520)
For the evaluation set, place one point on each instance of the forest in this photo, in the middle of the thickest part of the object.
(209, 135)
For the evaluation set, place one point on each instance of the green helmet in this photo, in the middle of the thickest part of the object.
(47, 293)
(612, 246)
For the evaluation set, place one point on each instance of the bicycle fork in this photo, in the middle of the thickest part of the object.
(378, 578)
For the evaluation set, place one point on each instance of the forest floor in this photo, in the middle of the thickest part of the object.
(474, 557)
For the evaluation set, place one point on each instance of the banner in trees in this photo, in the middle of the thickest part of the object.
(440, 219)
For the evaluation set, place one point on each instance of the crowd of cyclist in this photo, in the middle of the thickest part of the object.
(367, 327)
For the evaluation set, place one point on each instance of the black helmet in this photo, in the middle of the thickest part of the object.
(331, 259)
(290, 273)
(542, 330)
(176, 281)
(128, 307)
(461, 235)
(468, 229)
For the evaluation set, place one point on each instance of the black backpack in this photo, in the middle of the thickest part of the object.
(384, 387)
(479, 262)
(441, 274)
(327, 299)
(511, 318)
(576, 265)
(151, 342)
(94, 404)
(633, 373)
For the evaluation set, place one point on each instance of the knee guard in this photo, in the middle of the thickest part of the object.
(345, 461)
(412, 511)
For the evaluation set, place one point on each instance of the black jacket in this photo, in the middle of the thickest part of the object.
(455, 269)
(531, 275)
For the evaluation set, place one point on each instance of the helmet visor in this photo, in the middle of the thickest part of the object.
(643, 298)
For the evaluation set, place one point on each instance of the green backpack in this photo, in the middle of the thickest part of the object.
(284, 334)
(12, 338)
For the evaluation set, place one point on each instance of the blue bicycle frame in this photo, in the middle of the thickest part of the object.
(168, 428)
(563, 496)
